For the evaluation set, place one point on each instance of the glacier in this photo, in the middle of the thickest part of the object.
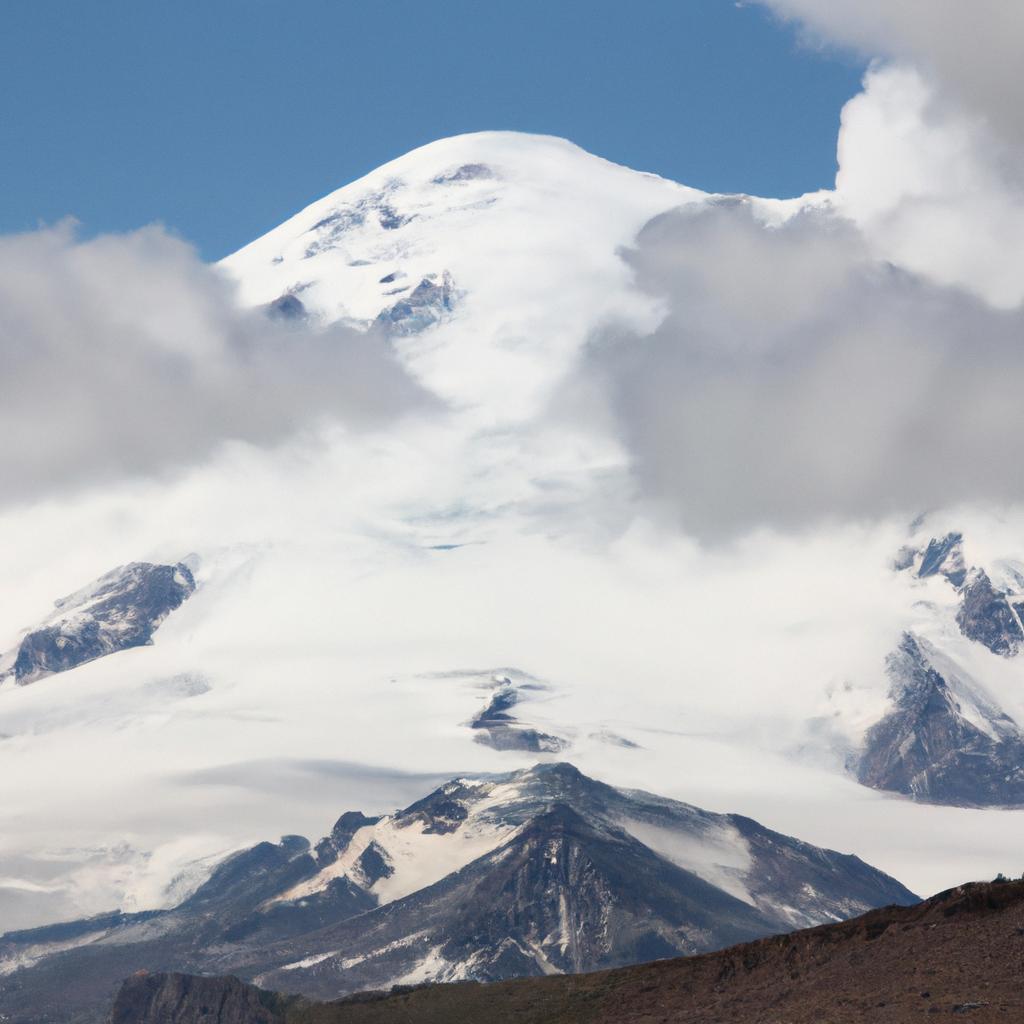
(360, 595)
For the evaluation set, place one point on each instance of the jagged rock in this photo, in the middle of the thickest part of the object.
(501, 730)
(945, 740)
(987, 616)
(330, 847)
(120, 610)
(944, 556)
(427, 304)
(251, 876)
(488, 877)
(389, 218)
(374, 864)
(184, 999)
(331, 230)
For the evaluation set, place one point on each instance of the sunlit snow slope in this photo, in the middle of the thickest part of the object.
(527, 227)
(368, 604)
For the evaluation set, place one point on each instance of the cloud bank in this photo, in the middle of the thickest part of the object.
(797, 379)
(931, 153)
(125, 355)
(863, 357)
(972, 51)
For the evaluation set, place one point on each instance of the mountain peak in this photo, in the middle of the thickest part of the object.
(484, 230)
(536, 871)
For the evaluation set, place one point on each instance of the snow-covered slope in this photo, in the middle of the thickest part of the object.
(952, 732)
(467, 590)
(527, 228)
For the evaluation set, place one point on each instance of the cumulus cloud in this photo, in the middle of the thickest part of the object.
(125, 355)
(931, 187)
(971, 50)
(930, 153)
(863, 357)
(797, 379)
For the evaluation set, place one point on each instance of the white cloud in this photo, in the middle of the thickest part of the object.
(862, 358)
(932, 188)
(930, 154)
(836, 366)
(125, 355)
(798, 379)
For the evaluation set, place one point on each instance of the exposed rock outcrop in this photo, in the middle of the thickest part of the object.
(945, 740)
(428, 303)
(121, 609)
(534, 872)
(989, 616)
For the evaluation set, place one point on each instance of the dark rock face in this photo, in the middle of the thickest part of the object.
(944, 556)
(441, 813)
(389, 218)
(571, 879)
(955, 954)
(986, 616)
(928, 748)
(946, 740)
(120, 610)
(427, 304)
(253, 875)
(328, 849)
(185, 999)
(340, 900)
(287, 307)
(562, 896)
(76, 985)
(501, 730)
(374, 864)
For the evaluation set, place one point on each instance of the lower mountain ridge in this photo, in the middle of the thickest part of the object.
(537, 872)
(955, 956)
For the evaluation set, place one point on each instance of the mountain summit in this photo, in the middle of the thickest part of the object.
(520, 233)
(535, 872)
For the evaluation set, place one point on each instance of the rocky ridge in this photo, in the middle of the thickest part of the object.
(945, 737)
(537, 872)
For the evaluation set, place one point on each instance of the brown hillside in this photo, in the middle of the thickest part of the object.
(959, 955)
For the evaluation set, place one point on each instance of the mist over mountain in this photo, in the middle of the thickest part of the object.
(359, 574)
(506, 462)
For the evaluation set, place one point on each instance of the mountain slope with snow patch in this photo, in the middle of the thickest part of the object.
(533, 872)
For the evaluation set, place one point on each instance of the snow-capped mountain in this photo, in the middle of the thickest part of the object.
(476, 586)
(511, 238)
(534, 872)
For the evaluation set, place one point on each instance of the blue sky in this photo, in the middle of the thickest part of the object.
(220, 118)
